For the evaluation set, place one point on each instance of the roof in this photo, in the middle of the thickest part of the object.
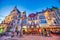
(15, 9)
(32, 15)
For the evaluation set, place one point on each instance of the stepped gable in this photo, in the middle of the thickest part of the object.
(12, 14)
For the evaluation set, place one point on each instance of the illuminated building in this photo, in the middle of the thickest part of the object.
(57, 17)
(32, 21)
(23, 21)
(41, 19)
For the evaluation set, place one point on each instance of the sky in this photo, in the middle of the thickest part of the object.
(30, 6)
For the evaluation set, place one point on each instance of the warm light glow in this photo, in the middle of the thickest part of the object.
(46, 14)
(24, 27)
(8, 19)
(49, 22)
(32, 26)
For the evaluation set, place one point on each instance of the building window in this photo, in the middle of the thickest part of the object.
(29, 19)
(41, 17)
(24, 22)
(15, 17)
(33, 18)
(18, 22)
(43, 21)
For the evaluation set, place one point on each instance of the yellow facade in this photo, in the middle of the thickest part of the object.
(3, 26)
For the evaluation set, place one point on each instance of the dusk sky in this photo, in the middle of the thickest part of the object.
(6, 6)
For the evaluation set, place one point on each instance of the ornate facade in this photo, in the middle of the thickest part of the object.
(34, 20)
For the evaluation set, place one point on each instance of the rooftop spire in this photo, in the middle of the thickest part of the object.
(15, 9)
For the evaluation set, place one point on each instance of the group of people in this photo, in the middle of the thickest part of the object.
(45, 32)
(16, 32)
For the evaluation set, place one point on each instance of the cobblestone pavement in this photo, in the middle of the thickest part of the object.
(31, 37)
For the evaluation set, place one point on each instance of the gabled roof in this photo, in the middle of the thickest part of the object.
(15, 9)
(32, 15)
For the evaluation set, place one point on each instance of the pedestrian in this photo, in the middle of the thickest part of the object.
(17, 31)
(20, 31)
(41, 32)
(48, 33)
(44, 32)
(12, 32)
